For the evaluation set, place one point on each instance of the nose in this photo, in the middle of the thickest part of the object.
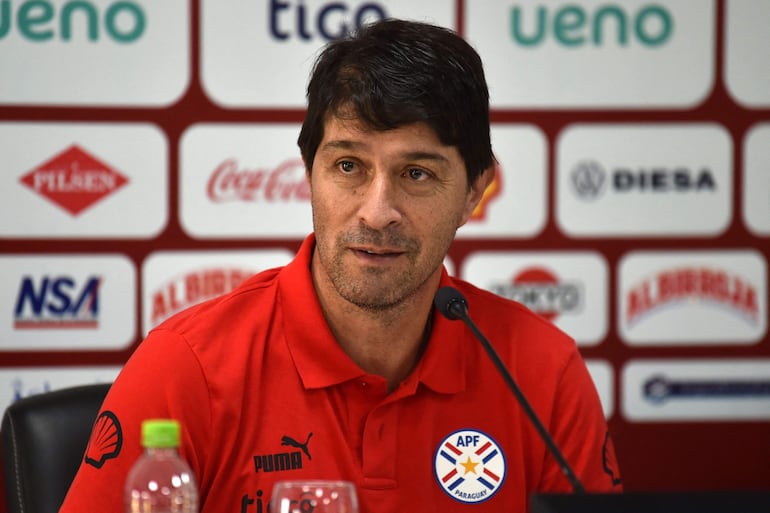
(379, 203)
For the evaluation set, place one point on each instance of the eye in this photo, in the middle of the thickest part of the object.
(347, 166)
(417, 174)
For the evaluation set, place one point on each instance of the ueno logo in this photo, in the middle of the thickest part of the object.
(36, 20)
(573, 26)
(330, 21)
(57, 302)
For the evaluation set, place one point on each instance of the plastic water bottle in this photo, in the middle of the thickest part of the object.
(161, 481)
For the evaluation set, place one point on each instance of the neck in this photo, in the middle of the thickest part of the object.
(386, 342)
(381, 348)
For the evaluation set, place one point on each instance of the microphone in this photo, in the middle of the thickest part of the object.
(452, 305)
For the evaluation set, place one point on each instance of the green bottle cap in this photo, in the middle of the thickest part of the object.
(159, 433)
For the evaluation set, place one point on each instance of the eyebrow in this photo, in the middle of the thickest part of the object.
(410, 155)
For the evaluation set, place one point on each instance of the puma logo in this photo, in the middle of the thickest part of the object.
(287, 440)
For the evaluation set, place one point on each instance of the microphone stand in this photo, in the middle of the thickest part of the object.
(459, 308)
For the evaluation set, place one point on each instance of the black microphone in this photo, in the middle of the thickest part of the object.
(452, 305)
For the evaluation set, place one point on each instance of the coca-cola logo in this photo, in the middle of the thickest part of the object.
(285, 183)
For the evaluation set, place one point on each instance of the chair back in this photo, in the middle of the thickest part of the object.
(44, 438)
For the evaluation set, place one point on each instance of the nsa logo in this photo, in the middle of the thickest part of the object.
(469, 466)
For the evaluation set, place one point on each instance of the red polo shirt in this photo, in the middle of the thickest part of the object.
(264, 393)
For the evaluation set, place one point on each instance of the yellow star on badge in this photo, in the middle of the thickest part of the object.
(469, 465)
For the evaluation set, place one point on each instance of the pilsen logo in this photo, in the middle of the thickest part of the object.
(692, 284)
(286, 182)
(491, 192)
(542, 292)
(74, 180)
(192, 288)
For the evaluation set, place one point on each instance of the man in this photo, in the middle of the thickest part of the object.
(337, 366)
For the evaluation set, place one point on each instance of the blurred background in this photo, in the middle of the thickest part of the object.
(149, 162)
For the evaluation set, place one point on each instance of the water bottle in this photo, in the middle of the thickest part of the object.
(161, 481)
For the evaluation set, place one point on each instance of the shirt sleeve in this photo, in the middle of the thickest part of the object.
(580, 431)
(162, 379)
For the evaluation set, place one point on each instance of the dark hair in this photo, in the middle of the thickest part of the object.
(393, 73)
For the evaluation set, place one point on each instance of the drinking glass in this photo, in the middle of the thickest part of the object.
(314, 496)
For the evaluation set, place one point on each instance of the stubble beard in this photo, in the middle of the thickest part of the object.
(377, 290)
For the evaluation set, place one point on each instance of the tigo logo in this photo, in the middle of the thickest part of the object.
(36, 20)
(74, 180)
(330, 21)
(287, 35)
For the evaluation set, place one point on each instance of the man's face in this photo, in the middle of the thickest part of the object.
(386, 206)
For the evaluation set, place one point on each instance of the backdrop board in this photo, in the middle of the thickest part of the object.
(150, 162)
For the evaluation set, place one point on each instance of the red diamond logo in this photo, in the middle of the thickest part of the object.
(74, 180)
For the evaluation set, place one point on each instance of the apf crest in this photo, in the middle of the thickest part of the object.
(469, 466)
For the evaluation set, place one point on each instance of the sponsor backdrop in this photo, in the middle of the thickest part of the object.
(149, 162)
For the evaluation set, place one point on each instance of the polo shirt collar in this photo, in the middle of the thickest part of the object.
(321, 362)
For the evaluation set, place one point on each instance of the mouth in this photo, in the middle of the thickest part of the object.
(377, 254)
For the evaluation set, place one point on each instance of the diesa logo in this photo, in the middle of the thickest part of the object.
(57, 302)
(574, 25)
(38, 21)
(329, 21)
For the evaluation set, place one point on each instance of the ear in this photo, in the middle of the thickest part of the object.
(476, 192)
(307, 170)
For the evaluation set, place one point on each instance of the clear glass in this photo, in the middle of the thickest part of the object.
(316, 496)
(161, 482)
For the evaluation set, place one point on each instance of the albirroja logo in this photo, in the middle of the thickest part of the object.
(74, 180)
(693, 284)
(194, 287)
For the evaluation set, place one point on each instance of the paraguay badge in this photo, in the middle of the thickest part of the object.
(469, 466)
